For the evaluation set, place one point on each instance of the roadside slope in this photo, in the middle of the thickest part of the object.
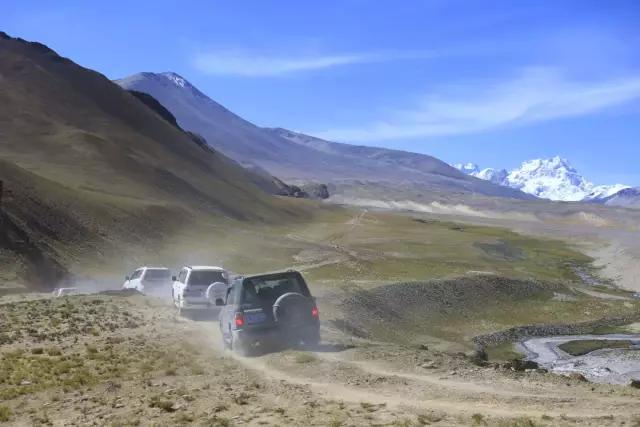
(79, 153)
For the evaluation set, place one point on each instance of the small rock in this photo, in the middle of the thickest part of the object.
(429, 365)
(25, 382)
(635, 383)
(478, 355)
(577, 376)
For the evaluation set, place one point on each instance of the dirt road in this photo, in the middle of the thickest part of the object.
(113, 360)
(381, 374)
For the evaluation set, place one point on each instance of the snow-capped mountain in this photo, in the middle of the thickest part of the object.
(553, 179)
(497, 176)
(467, 168)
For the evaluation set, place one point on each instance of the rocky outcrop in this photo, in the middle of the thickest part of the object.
(316, 191)
(305, 191)
(155, 105)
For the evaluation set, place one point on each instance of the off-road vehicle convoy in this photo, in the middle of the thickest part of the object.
(199, 288)
(269, 310)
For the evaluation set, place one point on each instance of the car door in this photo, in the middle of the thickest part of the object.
(134, 280)
(226, 314)
(183, 279)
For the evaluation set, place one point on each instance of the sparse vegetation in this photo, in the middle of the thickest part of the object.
(305, 358)
(519, 422)
(5, 414)
(478, 419)
(161, 402)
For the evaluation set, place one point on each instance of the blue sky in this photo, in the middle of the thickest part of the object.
(494, 82)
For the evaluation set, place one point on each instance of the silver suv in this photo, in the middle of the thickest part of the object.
(199, 287)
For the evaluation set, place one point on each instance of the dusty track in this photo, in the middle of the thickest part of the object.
(460, 392)
(170, 370)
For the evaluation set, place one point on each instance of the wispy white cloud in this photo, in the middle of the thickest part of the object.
(248, 64)
(536, 94)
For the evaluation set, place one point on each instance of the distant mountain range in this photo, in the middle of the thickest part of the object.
(553, 179)
(297, 157)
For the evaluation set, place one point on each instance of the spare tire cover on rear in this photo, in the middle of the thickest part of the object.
(216, 291)
(292, 309)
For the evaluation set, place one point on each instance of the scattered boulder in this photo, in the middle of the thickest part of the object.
(520, 365)
(577, 376)
(478, 356)
(635, 383)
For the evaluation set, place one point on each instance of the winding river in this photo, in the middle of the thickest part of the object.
(608, 365)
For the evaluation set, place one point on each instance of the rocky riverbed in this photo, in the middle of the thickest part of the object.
(607, 365)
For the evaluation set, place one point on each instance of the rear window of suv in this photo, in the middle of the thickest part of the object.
(157, 274)
(267, 289)
(206, 277)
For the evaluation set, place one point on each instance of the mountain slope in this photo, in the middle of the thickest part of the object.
(628, 197)
(414, 162)
(227, 132)
(295, 156)
(553, 179)
(90, 168)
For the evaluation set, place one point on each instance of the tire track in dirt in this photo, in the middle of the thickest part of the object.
(427, 392)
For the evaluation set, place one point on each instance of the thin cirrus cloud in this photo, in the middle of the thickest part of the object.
(535, 95)
(248, 64)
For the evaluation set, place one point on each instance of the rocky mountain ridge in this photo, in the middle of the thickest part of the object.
(296, 157)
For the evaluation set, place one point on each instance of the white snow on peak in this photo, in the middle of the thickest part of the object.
(497, 176)
(176, 79)
(553, 179)
(467, 168)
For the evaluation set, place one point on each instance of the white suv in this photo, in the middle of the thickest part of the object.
(200, 287)
(149, 280)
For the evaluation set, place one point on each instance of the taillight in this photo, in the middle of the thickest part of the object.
(314, 312)
(239, 320)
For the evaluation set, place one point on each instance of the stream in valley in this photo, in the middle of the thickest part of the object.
(606, 365)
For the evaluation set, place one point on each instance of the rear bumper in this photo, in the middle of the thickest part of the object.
(277, 335)
(189, 304)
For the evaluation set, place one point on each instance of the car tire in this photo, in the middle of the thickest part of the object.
(173, 298)
(239, 349)
(312, 341)
(225, 344)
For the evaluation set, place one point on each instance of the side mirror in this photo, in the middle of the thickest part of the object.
(126, 278)
(173, 278)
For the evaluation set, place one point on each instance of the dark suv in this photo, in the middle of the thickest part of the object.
(269, 310)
